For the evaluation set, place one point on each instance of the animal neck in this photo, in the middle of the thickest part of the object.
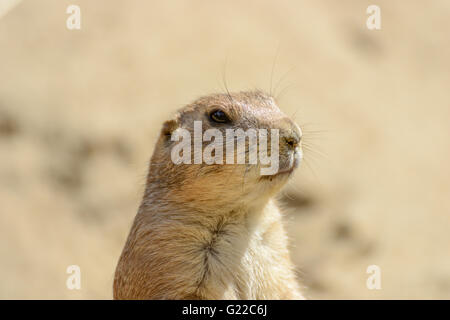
(171, 237)
(158, 208)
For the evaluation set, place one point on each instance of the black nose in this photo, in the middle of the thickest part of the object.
(292, 142)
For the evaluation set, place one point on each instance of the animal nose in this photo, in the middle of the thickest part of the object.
(292, 141)
(292, 136)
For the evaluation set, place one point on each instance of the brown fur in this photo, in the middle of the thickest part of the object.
(211, 231)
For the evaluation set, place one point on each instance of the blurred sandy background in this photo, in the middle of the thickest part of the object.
(80, 111)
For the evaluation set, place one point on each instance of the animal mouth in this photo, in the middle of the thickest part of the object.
(286, 171)
(283, 172)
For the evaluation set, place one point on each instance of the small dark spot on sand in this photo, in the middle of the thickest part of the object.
(297, 200)
(342, 231)
(9, 126)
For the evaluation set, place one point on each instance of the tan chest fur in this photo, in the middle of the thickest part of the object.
(251, 259)
(240, 256)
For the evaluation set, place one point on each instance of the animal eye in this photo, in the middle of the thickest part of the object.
(219, 116)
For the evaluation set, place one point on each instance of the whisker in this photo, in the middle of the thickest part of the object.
(311, 169)
(283, 77)
(279, 95)
(315, 151)
(308, 131)
(224, 80)
(273, 68)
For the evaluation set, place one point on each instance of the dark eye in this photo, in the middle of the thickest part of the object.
(219, 116)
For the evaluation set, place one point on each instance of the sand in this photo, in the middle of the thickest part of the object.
(80, 111)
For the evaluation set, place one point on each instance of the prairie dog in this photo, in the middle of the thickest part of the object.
(212, 231)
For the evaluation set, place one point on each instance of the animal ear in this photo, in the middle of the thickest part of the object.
(169, 127)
